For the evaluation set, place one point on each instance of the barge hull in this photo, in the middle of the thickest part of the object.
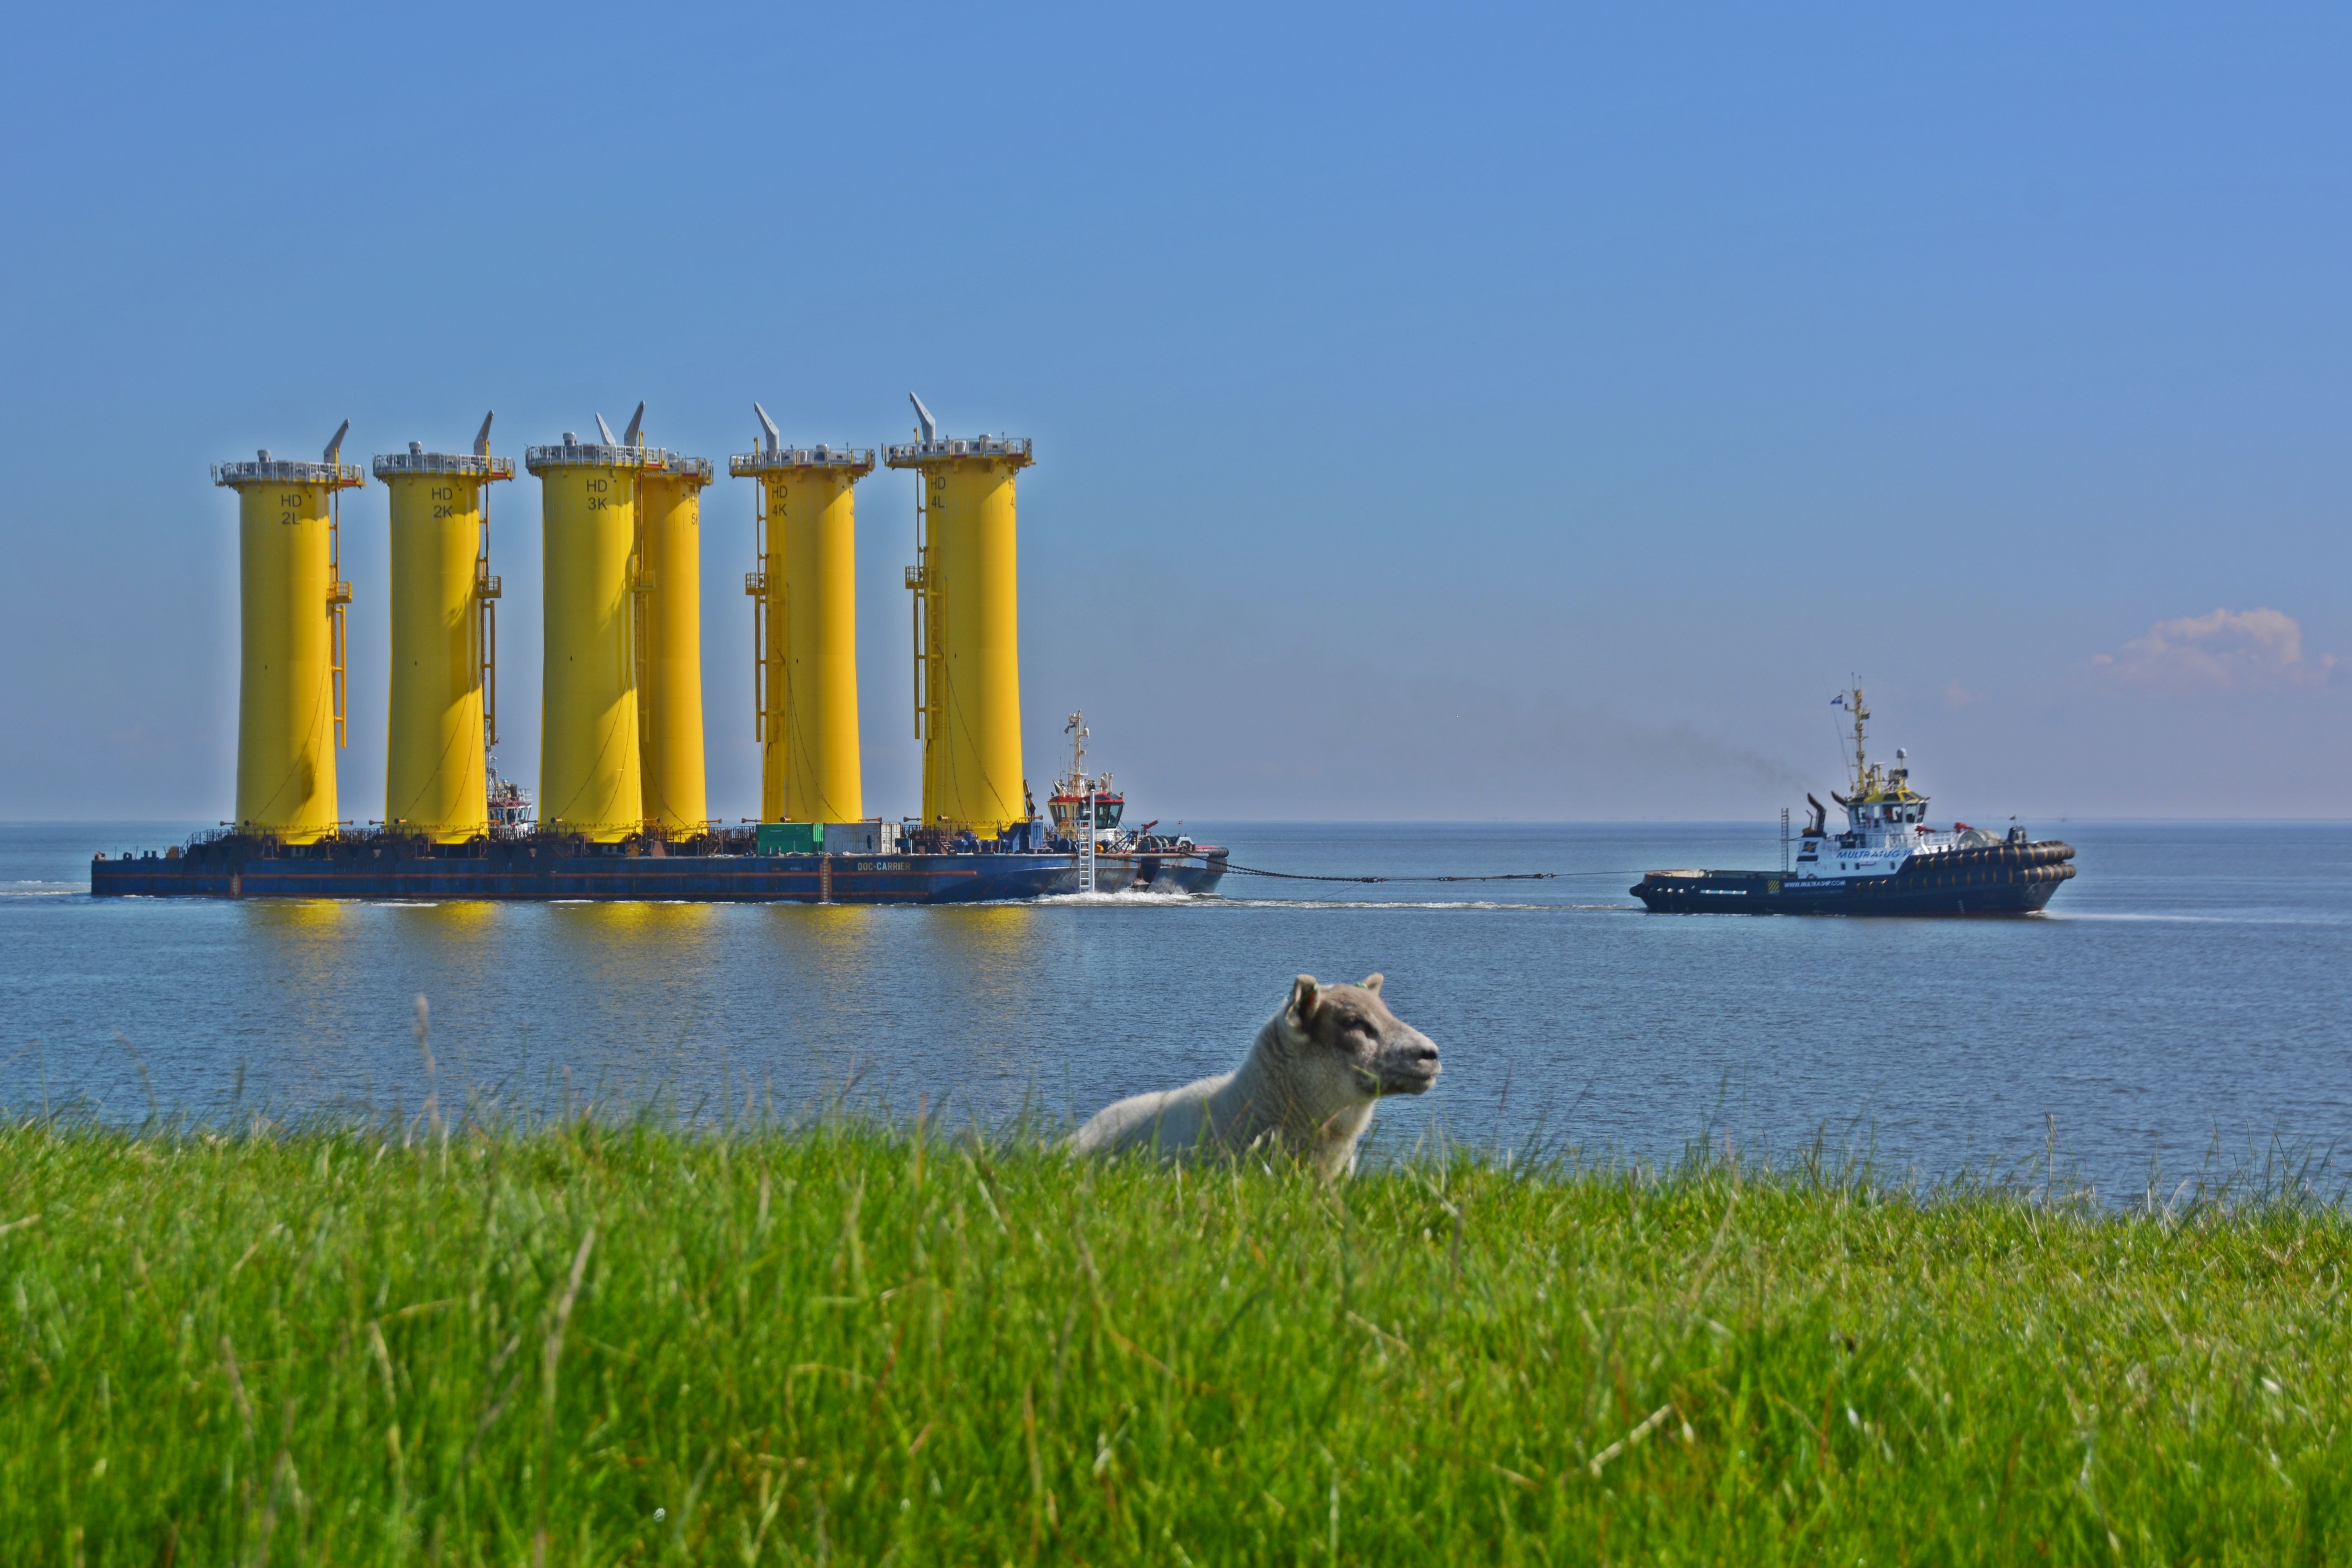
(747, 878)
(526, 871)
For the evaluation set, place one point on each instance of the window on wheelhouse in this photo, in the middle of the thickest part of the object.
(1107, 811)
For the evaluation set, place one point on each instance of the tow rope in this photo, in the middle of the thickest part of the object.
(1303, 877)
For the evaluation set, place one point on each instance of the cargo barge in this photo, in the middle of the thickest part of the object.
(624, 806)
(870, 862)
(728, 866)
(1888, 861)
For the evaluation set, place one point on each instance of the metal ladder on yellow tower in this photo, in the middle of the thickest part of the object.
(338, 593)
(918, 584)
(804, 625)
(968, 698)
(641, 588)
(487, 590)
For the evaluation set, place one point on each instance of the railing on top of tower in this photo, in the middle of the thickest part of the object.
(749, 465)
(912, 452)
(269, 471)
(615, 455)
(463, 465)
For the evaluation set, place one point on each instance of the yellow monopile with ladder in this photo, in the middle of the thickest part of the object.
(291, 598)
(804, 626)
(442, 720)
(670, 642)
(590, 778)
(967, 626)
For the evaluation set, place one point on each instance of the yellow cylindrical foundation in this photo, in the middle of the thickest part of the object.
(589, 779)
(669, 696)
(810, 764)
(436, 766)
(972, 774)
(289, 599)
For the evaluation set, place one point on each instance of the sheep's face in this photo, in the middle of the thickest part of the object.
(1348, 1033)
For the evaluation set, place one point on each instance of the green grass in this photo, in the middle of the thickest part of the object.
(852, 1344)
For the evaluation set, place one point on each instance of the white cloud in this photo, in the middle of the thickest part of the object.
(2227, 648)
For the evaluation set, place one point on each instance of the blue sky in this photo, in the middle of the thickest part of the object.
(1446, 412)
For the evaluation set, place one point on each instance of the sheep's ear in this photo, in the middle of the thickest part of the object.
(1372, 982)
(1305, 999)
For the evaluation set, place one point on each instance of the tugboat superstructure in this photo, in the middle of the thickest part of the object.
(1888, 861)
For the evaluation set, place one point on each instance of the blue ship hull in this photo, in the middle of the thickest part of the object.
(539, 870)
(1165, 873)
(2002, 879)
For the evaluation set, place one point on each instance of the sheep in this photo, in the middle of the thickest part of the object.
(1307, 1087)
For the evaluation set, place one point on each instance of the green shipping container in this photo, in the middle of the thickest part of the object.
(790, 837)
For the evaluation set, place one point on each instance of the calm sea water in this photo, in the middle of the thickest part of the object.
(2185, 999)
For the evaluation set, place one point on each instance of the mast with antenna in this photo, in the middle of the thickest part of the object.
(1860, 716)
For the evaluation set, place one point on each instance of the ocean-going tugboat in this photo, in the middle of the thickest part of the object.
(1123, 860)
(1888, 861)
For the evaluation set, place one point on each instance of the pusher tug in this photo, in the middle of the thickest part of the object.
(1113, 859)
(1888, 861)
